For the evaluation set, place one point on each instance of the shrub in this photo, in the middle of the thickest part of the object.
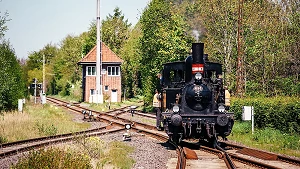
(282, 113)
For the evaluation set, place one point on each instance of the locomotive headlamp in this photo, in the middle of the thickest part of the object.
(127, 126)
(175, 109)
(198, 76)
(221, 109)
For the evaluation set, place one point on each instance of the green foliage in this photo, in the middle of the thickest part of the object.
(270, 41)
(35, 61)
(89, 38)
(115, 30)
(54, 158)
(282, 113)
(131, 73)
(163, 40)
(66, 70)
(34, 66)
(12, 85)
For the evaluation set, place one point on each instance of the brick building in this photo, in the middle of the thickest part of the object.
(111, 75)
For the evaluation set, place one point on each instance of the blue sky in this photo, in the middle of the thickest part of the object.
(35, 23)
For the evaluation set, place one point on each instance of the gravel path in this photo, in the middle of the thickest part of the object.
(149, 153)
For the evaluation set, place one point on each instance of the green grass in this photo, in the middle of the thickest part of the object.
(267, 139)
(37, 121)
(54, 158)
(91, 152)
(117, 155)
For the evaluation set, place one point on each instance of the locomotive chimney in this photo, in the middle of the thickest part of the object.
(197, 53)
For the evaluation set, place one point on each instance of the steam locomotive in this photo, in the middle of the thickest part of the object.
(193, 99)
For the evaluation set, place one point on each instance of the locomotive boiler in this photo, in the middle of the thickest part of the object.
(193, 99)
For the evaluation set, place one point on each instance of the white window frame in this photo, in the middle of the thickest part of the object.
(105, 88)
(90, 73)
(110, 71)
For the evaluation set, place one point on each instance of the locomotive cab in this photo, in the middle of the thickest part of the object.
(172, 84)
(194, 105)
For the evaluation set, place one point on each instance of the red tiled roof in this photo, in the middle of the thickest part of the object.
(107, 55)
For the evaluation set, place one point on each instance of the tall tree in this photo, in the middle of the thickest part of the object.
(90, 38)
(115, 30)
(163, 40)
(66, 70)
(11, 81)
(131, 67)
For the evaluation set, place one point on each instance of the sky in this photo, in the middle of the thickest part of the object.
(36, 23)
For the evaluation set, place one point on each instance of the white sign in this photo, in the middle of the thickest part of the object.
(20, 105)
(247, 112)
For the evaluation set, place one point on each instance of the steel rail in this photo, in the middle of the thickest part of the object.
(263, 154)
(4, 153)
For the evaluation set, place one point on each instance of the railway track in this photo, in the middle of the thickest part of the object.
(229, 156)
(12, 148)
(233, 156)
(260, 158)
(114, 124)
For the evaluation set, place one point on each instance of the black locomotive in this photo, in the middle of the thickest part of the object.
(193, 99)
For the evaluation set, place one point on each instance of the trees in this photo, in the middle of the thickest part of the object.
(115, 30)
(65, 68)
(12, 85)
(131, 67)
(163, 40)
(270, 37)
(34, 65)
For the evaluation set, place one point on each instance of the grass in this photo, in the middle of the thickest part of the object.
(267, 139)
(85, 153)
(53, 158)
(37, 121)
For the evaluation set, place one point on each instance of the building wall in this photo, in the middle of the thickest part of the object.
(113, 83)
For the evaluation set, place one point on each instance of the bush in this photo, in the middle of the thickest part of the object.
(282, 113)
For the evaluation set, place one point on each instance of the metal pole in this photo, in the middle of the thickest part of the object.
(34, 90)
(43, 87)
(98, 63)
(252, 118)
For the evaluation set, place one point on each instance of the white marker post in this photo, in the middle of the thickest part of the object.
(248, 114)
